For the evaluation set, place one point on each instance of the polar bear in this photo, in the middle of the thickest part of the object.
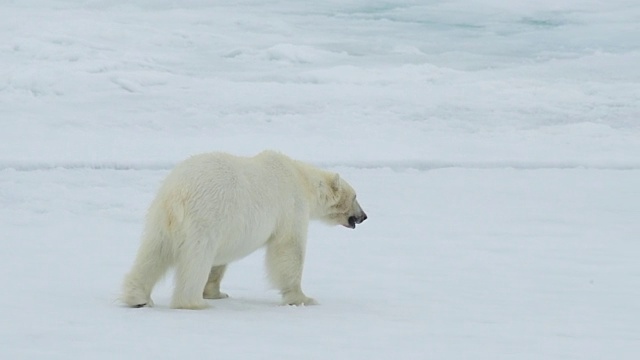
(216, 208)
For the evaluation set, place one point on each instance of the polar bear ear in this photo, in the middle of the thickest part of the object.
(335, 183)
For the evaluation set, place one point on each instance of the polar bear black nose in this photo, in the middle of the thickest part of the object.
(360, 218)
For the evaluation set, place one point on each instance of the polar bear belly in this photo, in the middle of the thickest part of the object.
(238, 240)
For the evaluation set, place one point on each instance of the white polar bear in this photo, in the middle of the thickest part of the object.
(216, 208)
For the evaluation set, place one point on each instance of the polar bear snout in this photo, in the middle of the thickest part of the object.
(353, 220)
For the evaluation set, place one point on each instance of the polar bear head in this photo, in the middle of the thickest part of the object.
(339, 203)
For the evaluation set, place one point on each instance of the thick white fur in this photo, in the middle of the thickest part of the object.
(216, 208)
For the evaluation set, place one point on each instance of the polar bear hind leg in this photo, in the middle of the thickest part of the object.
(212, 289)
(152, 262)
(190, 279)
(192, 271)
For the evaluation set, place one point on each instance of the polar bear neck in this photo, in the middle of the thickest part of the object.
(315, 182)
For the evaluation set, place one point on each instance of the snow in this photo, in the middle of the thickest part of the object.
(494, 145)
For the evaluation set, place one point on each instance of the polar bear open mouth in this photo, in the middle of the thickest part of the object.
(352, 222)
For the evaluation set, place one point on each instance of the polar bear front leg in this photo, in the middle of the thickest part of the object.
(212, 289)
(285, 260)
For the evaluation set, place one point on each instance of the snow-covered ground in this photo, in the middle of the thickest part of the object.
(495, 146)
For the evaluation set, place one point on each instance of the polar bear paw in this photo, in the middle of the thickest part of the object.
(136, 299)
(215, 295)
(149, 303)
(190, 305)
(299, 300)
